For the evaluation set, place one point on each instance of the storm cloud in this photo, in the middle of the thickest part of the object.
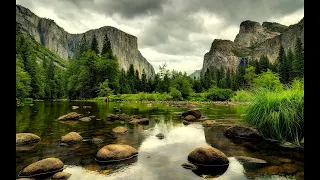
(177, 32)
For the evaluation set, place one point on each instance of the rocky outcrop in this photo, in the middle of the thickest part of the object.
(44, 166)
(48, 33)
(116, 152)
(253, 41)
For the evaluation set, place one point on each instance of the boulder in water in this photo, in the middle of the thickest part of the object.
(120, 130)
(69, 116)
(116, 152)
(71, 138)
(44, 166)
(26, 138)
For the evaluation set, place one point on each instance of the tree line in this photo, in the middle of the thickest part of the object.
(92, 73)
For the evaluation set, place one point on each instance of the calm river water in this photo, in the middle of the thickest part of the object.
(157, 158)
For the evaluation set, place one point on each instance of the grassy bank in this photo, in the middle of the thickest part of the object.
(277, 114)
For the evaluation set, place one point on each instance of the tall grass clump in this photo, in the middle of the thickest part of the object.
(278, 115)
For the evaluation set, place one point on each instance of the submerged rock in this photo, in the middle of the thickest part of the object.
(190, 118)
(97, 140)
(26, 138)
(69, 116)
(289, 168)
(185, 122)
(208, 155)
(160, 136)
(251, 163)
(71, 138)
(120, 130)
(92, 117)
(85, 119)
(75, 107)
(116, 152)
(195, 112)
(44, 166)
(189, 166)
(272, 170)
(139, 121)
(236, 131)
(113, 117)
(207, 123)
(61, 176)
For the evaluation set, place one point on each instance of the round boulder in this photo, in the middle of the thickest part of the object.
(160, 136)
(185, 122)
(208, 155)
(44, 166)
(120, 130)
(116, 152)
(236, 131)
(71, 138)
(195, 112)
(190, 118)
(26, 138)
(61, 176)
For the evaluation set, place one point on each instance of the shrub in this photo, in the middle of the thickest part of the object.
(217, 94)
(267, 80)
(242, 96)
(176, 94)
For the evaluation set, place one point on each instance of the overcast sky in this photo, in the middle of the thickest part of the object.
(178, 32)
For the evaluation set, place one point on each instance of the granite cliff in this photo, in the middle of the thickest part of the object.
(253, 41)
(56, 39)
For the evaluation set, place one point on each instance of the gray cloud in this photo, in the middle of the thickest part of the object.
(171, 28)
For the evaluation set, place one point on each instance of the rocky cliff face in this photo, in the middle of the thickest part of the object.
(253, 41)
(56, 39)
(195, 74)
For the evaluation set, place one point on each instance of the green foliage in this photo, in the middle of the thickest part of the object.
(104, 90)
(183, 85)
(298, 63)
(141, 97)
(176, 94)
(242, 96)
(197, 86)
(23, 80)
(283, 67)
(94, 45)
(249, 75)
(106, 48)
(264, 64)
(278, 115)
(267, 80)
(217, 94)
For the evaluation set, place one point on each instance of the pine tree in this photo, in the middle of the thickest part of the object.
(137, 81)
(290, 59)
(83, 47)
(106, 49)
(131, 79)
(94, 45)
(283, 68)
(228, 78)
(264, 64)
(298, 63)
(143, 81)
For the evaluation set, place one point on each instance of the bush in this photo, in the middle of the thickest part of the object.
(267, 80)
(242, 96)
(176, 94)
(278, 115)
(217, 94)
(198, 97)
